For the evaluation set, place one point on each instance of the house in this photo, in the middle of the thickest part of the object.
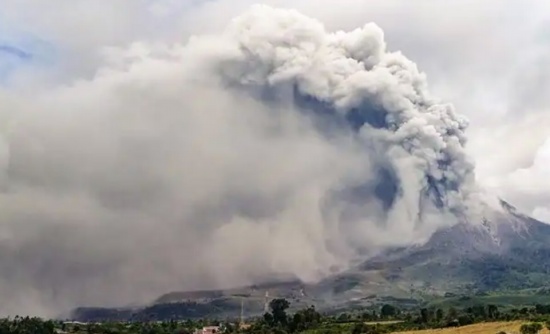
(209, 330)
(242, 325)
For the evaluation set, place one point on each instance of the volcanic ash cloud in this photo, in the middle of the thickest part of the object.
(272, 149)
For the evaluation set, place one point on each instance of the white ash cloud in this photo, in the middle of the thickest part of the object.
(273, 148)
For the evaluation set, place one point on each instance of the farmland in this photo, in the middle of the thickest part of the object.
(482, 328)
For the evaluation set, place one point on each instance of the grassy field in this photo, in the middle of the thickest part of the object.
(483, 328)
(383, 322)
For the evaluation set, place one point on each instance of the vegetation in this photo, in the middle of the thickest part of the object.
(532, 328)
(385, 319)
(26, 325)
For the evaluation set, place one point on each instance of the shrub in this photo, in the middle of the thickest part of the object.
(532, 328)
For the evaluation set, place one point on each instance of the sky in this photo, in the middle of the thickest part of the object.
(121, 151)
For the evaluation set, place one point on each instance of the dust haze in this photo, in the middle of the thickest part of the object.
(274, 148)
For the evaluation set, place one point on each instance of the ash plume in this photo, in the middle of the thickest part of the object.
(273, 149)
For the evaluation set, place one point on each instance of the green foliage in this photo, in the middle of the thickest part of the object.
(308, 320)
(388, 311)
(26, 325)
(424, 316)
(305, 319)
(439, 314)
(278, 312)
(532, 328)
(362, 328)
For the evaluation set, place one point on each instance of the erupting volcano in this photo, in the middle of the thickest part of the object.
(273, 151)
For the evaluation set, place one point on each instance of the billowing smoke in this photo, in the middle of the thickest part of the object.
(274, 149)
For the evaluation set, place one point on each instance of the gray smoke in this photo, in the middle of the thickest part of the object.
(273, 149)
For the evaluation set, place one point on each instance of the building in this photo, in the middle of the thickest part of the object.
(209, 330)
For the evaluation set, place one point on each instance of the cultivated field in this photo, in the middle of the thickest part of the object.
(484, 328)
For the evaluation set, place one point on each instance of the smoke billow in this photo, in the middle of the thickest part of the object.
(273, 149)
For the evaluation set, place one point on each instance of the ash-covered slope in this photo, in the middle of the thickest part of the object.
(509, 252)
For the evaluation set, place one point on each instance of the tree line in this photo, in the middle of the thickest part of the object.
(278, 320)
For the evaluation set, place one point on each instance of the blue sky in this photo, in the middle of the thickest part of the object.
(21, 50)
(36, 36)
(12, 58)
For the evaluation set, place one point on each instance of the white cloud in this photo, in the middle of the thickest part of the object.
(529, 186)
(542, 214)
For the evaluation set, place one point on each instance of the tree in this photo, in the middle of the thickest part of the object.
(367, 316)
(532, 328)
(439, 314)
(25, 325)
(465, 319)
(305, 319)
(344, 317)
(452, 314)
(278, 311)
(388, 311)
(279, 331)
(542, 309)
(268, 319)
(492, 311)
(477, 311)
(424, 315)
(359, 328)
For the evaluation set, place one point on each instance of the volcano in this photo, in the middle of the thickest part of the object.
(352, 164)
(510, 253)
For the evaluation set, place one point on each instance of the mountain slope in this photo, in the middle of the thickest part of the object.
(509, 252)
